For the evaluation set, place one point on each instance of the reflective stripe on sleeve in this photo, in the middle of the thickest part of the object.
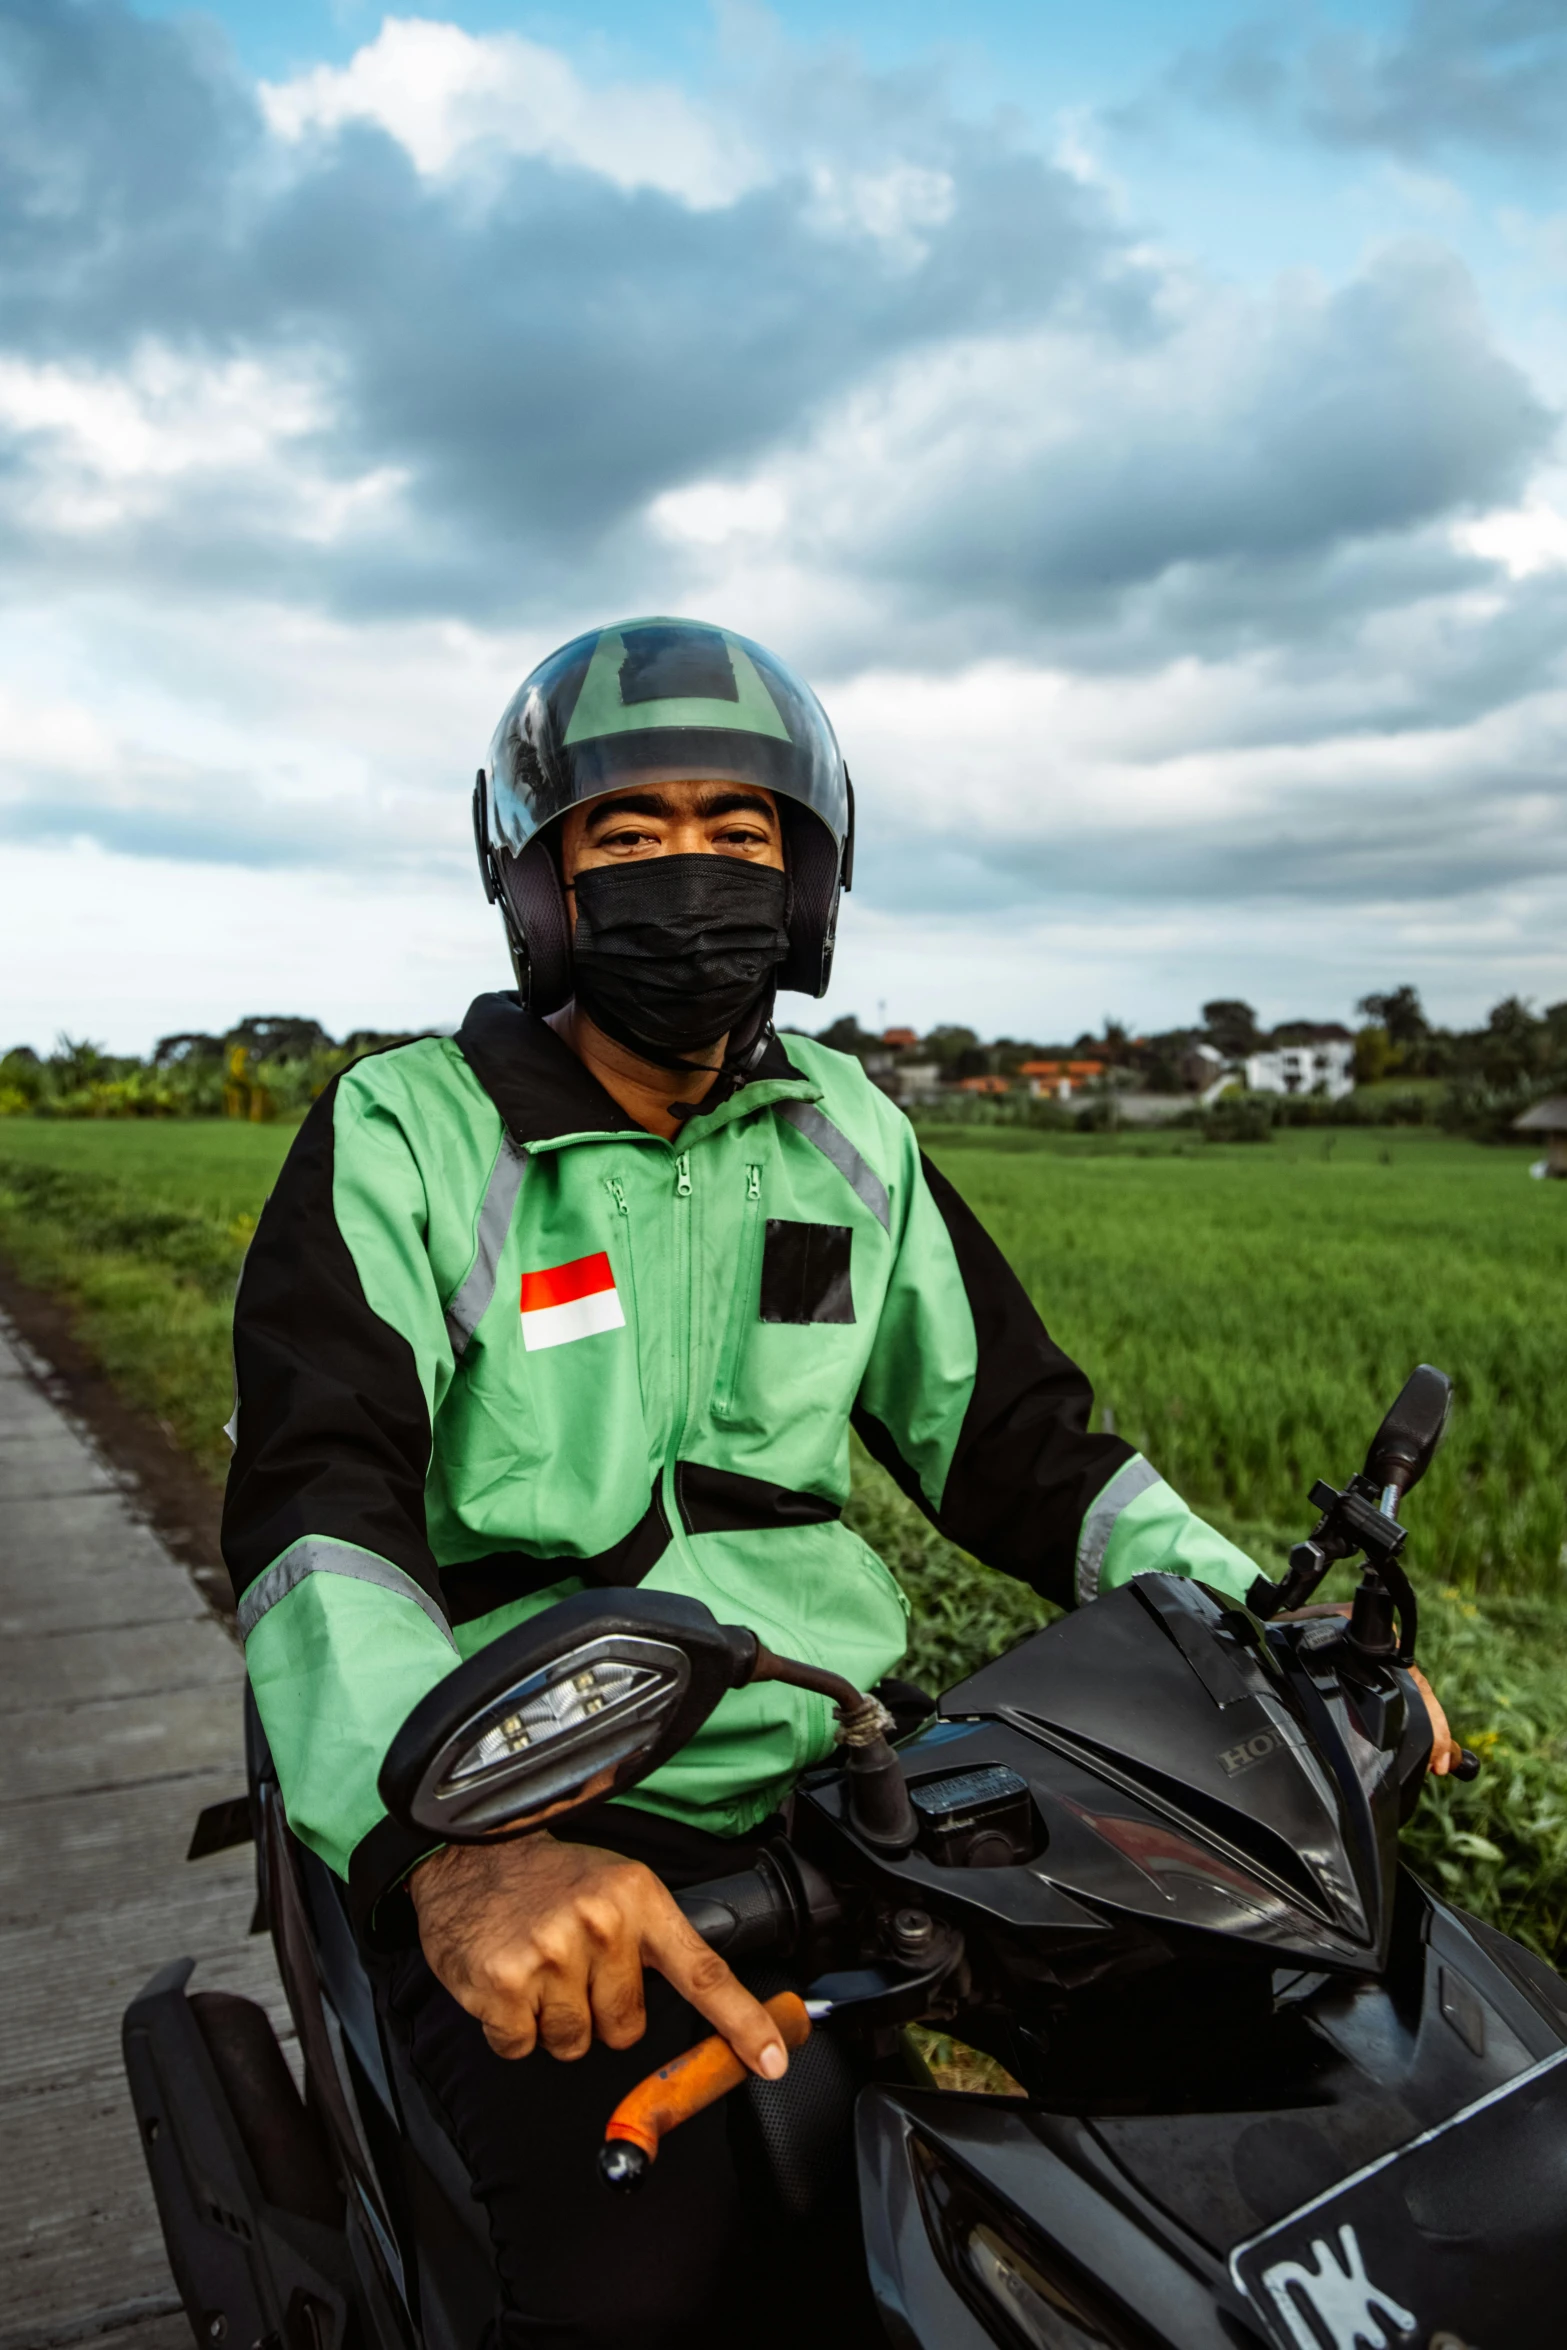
(469, 1307)
(835, 1145)
(1131, 1479)
(315, 1555)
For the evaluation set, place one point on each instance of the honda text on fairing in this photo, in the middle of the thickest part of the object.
(1274, 2090)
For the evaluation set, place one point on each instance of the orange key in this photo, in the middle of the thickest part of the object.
(681, 2088)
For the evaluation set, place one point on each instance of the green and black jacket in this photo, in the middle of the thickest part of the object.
(430, 1446)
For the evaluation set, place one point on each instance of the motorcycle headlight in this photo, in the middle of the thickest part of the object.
(1020, 2288)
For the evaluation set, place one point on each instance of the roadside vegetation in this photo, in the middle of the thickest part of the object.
(1246, 1317)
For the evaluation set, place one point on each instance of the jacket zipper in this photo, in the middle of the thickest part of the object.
(743, 1303)
(626, 1254)
(681, 1292)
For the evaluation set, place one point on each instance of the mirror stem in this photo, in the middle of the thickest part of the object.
(879, 1806)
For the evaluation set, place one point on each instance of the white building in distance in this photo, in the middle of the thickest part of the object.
(1326, 1068)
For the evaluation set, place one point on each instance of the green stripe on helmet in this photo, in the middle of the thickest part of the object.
(603, 706)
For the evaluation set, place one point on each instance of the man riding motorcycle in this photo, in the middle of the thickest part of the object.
(591, 1293)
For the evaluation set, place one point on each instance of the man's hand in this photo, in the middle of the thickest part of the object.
(546, 1942)
(1445, 1749)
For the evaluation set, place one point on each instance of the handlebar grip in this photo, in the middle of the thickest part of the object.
(684, 2086)
(749, 1911)
(1467, 1765)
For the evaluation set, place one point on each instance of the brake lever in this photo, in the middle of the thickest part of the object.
(687, 2085)
(884, 1994)
(691, 2082)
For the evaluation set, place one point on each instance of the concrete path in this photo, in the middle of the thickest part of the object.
(119, 1719)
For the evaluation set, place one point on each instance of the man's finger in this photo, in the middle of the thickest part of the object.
(672, 1945)
(1444, 1751)
(566, 2024)
(615, 1991)
(509, 2044)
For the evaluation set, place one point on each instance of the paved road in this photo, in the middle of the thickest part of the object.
(119, 1719)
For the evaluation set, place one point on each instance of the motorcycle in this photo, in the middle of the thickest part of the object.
(1267, 2088)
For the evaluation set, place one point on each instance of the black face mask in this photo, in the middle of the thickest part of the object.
(671, 953)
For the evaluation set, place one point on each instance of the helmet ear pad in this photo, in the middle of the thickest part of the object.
(815, 878)
(535, 908)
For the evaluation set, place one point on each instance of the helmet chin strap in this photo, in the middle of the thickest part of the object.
(738, 1064)
(661, 1056)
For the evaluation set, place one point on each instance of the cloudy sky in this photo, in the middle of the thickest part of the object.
(1142, 423)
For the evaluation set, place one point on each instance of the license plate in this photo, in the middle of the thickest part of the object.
(1456, 2242)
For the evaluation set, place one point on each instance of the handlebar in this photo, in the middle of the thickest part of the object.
(748, 1911)
(778, 1905)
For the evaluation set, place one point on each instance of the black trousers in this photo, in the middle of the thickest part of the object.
(703, 2254)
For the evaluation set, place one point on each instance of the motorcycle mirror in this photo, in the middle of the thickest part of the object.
(580, 1702)
(1403, 1447)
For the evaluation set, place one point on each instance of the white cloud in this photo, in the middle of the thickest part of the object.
(300, 741)
(155, 945)
(894, 207)
(1529, 538)
(710, 512)
(1541, 236)
(103, 438)
(450, 97)
(1426, 192)
(1001, 756)
(51, 734)
(110, 446)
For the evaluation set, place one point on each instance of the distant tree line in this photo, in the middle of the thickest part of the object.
(275, 1064)
(268, 1065)
(1473, 1080)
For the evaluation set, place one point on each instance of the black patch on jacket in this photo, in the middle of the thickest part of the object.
(805, 1272)
(722, 1501)
(476, 1587)
(1026, 1468)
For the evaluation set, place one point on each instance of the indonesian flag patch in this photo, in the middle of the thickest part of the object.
(570, 1301)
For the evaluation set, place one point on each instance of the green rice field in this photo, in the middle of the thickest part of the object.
(1246, 1313)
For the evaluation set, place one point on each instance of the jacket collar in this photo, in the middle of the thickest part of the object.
(539, 1086)
(544, 1093)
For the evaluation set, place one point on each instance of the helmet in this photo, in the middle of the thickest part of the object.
(658, 701)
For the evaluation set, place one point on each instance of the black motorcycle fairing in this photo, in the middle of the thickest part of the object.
(250, 2210)
(1351, 2070)
(935, 2170)
(1180, 1691)
(1118, 1886)
(1456, 2237)
(1437, 2134)
(1185, 1778)
(416, 2236)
